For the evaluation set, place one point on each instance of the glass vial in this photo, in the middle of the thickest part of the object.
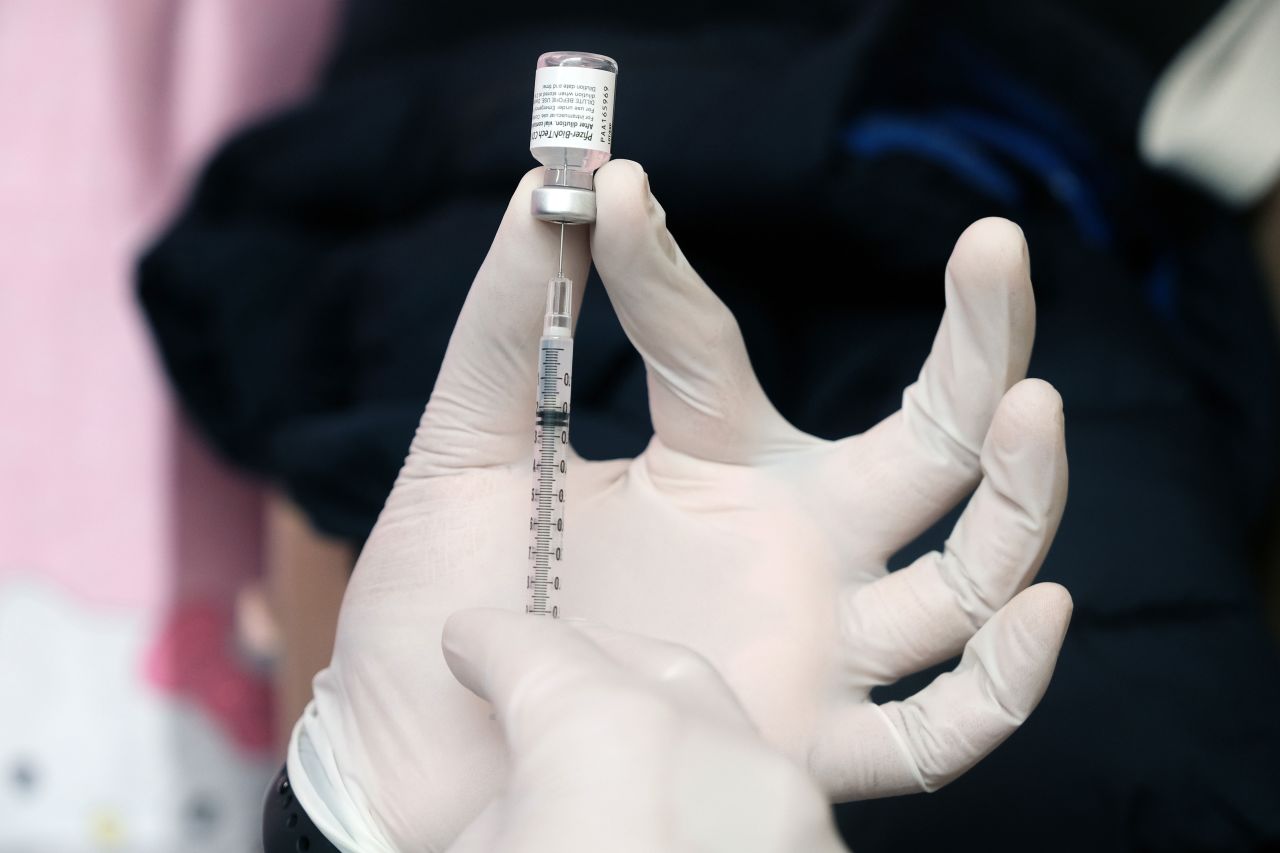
(571, 132)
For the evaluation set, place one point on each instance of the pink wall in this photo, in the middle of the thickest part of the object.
(108, 109)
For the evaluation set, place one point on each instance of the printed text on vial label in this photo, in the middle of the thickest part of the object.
(571, 111)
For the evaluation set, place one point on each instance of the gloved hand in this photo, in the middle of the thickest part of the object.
(760, 547)
(624, 743)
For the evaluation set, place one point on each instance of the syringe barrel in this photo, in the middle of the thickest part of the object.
(548, 498)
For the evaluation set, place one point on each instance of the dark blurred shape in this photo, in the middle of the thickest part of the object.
(304, 300)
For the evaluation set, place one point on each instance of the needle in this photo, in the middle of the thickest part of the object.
(561, 273)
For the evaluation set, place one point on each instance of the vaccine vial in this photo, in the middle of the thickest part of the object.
(572, 131)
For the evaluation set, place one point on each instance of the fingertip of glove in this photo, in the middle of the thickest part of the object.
(453, 638)
(992, 239)
(1018, 649)
(1045, 612)
(1054, 597)
(623, 181)
(628, 217)
(991, 253)
(1029, 416)
(465, 629)
(1038, 396)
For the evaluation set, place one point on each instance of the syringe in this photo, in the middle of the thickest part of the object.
(571, 134)
(551, 446)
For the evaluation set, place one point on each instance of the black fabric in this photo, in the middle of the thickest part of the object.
(303, 300)
(286, 826)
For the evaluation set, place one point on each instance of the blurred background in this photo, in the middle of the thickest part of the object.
(235, 236)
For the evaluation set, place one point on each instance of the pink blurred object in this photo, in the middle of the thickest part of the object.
(194, 658)
(109, 109)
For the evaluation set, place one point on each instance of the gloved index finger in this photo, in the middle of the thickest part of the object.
(704, 397)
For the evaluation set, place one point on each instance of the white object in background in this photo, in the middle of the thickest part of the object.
(1214, 115)
(95, 758)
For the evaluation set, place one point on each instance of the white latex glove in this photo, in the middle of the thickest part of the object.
(623, 743)
(762, 548)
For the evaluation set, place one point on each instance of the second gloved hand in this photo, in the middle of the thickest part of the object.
(623, 743)
(762, 548)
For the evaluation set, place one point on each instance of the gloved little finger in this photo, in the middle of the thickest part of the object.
(926, 612)
(927, 740)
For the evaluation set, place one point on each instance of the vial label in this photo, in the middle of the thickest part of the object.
(572, 108)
